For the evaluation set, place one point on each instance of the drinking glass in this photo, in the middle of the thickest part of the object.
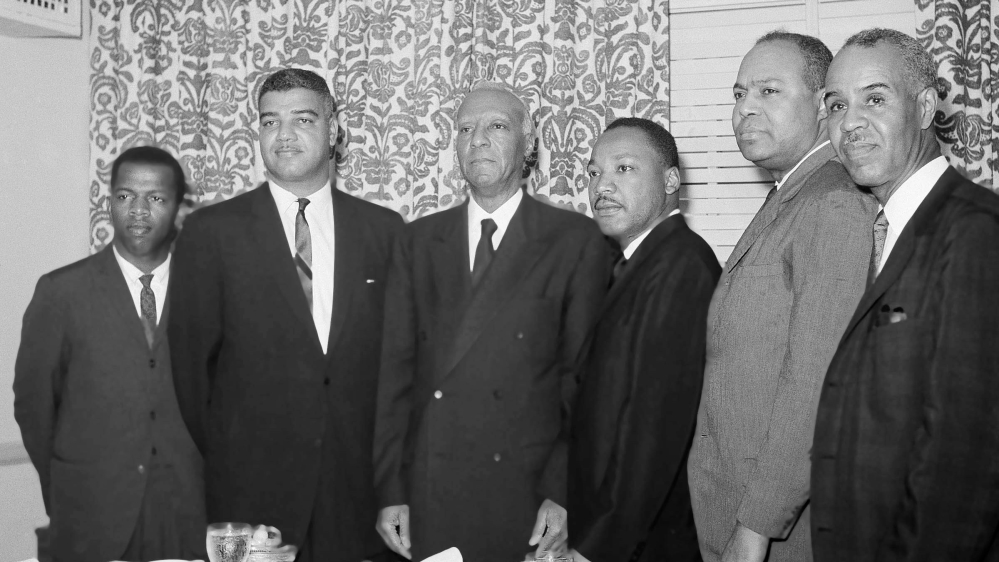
(228, 542)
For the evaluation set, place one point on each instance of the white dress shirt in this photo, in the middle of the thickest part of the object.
(501, 216)
(632, 246)
(903, 203)
(161, 279)
(319, 215)
(781, 182)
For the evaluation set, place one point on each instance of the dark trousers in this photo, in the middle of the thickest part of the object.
(164, 528)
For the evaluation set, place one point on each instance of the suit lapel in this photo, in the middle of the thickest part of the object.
(113, 290)
(347, 262)
(770, 209)
(516, 255)
(274, 256)
(647, 248)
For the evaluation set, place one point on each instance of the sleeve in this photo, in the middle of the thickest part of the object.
(580, 310)
(195, 325)
(951, 507)
(830, 258)
(395, 380)
(657, 424)
(39, 369)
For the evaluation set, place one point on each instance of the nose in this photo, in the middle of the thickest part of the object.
(478, 138)
(286, 132)
(748, 105)
(853, 118)
(139, 207)
(602, 184)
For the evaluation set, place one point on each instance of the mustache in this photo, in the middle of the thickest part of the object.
(853, 138)
(606, 199)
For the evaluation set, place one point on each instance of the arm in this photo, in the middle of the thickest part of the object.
(830, 257)
(666, 359)
(38, 372)
(195, 325)
(951, 508)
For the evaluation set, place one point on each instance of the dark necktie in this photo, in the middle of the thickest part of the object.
(147, 304)
(303, 251)
(619, 266)
(484, 251)
(880, 233)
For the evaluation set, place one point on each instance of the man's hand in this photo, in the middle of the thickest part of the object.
(745, 545)
(393, 526)
(550, 529)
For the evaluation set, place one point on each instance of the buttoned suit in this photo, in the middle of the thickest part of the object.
(286, 430)
(905, 461)
(96, 407)
(637, 404)
(785, 296)
(477, 386)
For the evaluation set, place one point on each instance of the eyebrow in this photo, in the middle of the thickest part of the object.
(868, 88)
(738, 85)
(293, 112)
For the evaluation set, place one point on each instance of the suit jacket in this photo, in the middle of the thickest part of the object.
(93, 400)
(783, 301)
(476, 388)
(637, 405)
(273, 414)
(906, 460)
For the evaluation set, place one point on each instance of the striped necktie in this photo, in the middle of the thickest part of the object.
(303, 251)
(147, 305)
(880, 233)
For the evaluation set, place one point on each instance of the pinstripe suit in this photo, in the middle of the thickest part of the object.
(783, 301)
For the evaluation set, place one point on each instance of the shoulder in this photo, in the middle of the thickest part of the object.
(972, 211)
(70, 278)
(561, 222)
(430, 224)
(368, 211)
(831, 182)
(237, 208)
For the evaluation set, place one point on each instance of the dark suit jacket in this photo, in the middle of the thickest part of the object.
(92, 401)
(637, 404)
(906, 455)
(476, 387)
(271, 413)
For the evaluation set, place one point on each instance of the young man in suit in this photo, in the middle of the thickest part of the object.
(783, 301)
(906, 456)
(487, 306)
(277, 327)
(93, 394)
(637, 404)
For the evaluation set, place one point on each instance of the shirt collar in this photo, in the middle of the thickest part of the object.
(780, 183)
(632, 246)
(503, 215)
(132, 273)
(319, 201)
(903, 203)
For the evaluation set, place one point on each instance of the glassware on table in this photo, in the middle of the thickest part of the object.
(228, 542)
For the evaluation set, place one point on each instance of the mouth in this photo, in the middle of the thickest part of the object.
(748, 133)
(605, 206)
(857, 149)
(138, 228)
(287, 150)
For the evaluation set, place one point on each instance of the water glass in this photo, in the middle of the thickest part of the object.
(229, 542)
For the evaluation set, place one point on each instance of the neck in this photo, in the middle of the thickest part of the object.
(822, 137)
(928, 150)
(623, 241)
(492, 201)
(145, 263)
(304, 188)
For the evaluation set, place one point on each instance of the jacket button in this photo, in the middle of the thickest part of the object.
(152, 415)
(520, 335)
(497, 457)
(438, 394)
(142, 469)
(326, 381)
(497, 395)
(152, 363)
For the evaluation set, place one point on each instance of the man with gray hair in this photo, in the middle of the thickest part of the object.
(782, 303)
(487, 306)
(906, 457)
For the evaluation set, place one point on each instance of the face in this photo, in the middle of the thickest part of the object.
(491, 142)
(143, 207)
(295, 131)
(629, 184)
(776, 117)
(875, 119)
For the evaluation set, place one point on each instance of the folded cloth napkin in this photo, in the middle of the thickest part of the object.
(449, 555)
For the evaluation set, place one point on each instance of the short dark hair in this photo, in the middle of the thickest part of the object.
(662, 141)
(817, 56)
(291, 78)
(919, 64)
(152, 155)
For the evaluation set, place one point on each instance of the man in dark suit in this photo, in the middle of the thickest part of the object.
(277, 327)
(487, 306)
(784, 299)
(93, 395)
(906, 455)
(637, 405)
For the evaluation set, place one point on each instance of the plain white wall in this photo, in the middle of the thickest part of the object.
(44, 224)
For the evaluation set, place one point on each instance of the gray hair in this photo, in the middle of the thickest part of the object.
(527, 123)
(817, 56)
(919, 65)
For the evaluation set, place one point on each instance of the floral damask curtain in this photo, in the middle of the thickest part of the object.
(183, 75)
(963, 36)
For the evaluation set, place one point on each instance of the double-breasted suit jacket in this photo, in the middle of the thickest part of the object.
(96, 407)
(906, 458)
(476, 387)
(637, 404)
(783, 301)
(282, 425)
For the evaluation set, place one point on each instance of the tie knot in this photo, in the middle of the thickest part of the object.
(302, 204)
(488, 228)
(146, 280)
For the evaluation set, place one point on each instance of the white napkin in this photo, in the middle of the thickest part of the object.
(449, 555)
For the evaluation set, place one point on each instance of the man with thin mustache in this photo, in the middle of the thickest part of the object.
(784, 298)
(906, 456)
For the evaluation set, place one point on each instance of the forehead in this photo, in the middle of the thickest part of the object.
(135, 175)
(491, 104)
(778, 60)
(858, 67)
(625, 141)
(292, 100)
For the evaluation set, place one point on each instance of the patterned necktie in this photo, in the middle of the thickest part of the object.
(147, 304)
(619, 266)
(484, 251)
(303, 251)
(880, 233)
